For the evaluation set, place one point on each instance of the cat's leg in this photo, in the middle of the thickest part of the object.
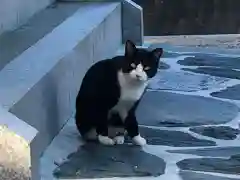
(102, 128)
(131, 125)
(118, 134)
(139, 140)
(85, 127)
(116, 128)
(119, 139)
(91, 135)
(87, 130)
(105, 140)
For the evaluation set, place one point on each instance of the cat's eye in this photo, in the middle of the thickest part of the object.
(146, 68)
(133, 65)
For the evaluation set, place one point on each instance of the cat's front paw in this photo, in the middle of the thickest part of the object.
(105, 140)
(140, 141)
(119, 139)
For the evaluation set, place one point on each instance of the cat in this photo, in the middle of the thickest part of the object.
(110, 93)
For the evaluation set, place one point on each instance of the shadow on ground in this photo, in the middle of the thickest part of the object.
(97, 161)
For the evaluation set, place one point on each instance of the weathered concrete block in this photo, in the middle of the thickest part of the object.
(16, 138)
(132, 19)
(35, 29)
(14, 13)
(132, 22)
(40, 85)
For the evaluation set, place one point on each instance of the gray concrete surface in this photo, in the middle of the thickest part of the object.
(14, 13)
(36, 28)
(39, 85)
(168, 131)
(132, 19)
(132, 22)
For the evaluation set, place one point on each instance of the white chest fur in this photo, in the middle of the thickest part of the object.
(131, 91)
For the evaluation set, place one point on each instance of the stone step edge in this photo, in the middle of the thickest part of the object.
(132, 19)
(16, 77)
(24, 72)
(33, 30)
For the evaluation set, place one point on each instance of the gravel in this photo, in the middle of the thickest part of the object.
(228, 41)
(15, 156)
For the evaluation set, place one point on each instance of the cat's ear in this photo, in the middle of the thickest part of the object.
(130, 48)
(158, 53)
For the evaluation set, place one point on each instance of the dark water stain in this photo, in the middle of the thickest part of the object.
(217, 165)
(224, 152)
(173, 138)
(158, 108)
(210, 60)
(219, 132)
(232, 92)
(93, 160)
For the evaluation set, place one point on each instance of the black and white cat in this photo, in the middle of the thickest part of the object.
(110, 92)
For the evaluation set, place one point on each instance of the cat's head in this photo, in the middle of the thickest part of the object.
(140, 64)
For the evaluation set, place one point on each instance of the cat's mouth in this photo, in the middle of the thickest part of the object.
(138, 79)
(135, 78)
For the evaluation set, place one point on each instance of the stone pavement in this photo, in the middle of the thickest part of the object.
(189, 116)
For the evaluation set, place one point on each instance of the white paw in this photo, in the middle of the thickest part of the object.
(119, 139)
(138, 140)
(105, 140)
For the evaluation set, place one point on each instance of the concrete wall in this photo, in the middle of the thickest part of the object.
(15, 12)
(51, 101)
(132, 19)
(40, 85)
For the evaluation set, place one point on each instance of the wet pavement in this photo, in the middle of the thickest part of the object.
(189, 116)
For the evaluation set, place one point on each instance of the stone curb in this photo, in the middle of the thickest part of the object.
(132, 19)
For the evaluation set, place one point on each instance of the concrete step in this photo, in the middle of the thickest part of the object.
(43, 62)
(35, 29)
(15, 13)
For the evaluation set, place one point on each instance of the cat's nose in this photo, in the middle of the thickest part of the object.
(138, 76)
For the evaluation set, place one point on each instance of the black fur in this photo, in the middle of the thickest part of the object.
(100, 91)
